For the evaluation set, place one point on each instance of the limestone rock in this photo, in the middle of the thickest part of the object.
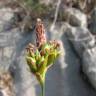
(6, 19)
(81, 39)
(75, 17)
(92, 25)
(89, 65)
(84, 44)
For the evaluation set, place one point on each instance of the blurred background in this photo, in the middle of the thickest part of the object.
(72, 23)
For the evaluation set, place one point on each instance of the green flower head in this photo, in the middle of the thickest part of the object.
(40, 57)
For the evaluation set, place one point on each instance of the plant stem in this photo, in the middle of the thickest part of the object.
(41, 79)
(43, 88)
(43, 84)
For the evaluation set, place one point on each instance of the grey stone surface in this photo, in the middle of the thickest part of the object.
(81, 38)
(92, 25)
(6, 19)
(75, 17)
(89, 65)
(84, 44)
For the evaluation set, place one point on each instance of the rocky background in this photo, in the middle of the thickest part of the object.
(73, 23)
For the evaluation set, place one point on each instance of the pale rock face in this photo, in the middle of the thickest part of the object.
(8, 52)
(6, 18)
(81, 39)
(6, 14)
(84, 44)
(89, 65)
(92, 25)
(75, 17)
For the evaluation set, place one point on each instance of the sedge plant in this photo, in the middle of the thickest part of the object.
(40, 57)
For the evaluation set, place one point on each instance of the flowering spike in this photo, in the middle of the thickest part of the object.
(40, 33)
(40, 57)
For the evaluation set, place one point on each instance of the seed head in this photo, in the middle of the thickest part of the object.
(40, 33)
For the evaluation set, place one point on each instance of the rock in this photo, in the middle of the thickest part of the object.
(75, 17)
(6, 19)
(89, 65)
(92, 25)
(81, 39)
(84, 44)
(6, 38)
(8, 52)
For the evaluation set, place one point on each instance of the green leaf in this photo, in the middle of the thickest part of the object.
(58, 54)
(51, 59)
(31, 63)
(43, 64)
(31, 54)
(45, 49)
(52, 56)
(37, 55)
(45, 46)
(39, 61)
